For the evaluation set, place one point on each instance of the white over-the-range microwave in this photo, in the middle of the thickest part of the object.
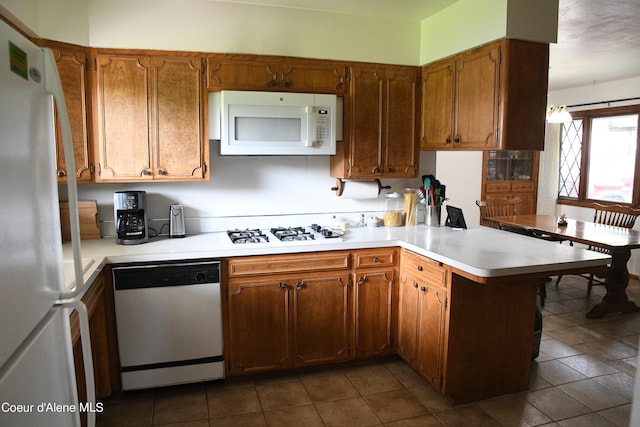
(275, 123)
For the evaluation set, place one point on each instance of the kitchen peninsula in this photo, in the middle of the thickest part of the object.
(482, 283)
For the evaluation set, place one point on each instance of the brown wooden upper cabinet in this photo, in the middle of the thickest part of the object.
(487, 98)
(71, 63)
(266, 73)
(381, 123)
(150, 117)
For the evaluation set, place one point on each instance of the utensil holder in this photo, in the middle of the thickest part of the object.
(432, 215)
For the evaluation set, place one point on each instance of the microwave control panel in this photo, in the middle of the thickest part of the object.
(322, 125)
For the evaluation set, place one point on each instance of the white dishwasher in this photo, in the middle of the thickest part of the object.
(169, 323)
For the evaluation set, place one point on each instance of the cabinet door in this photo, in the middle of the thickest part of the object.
(316, 77)
(373, 312)
(408, 310)
(401, 131)
(122, 101)
(437, 105)
(178, 134)
(365, 110)
(258, 330)
(320, 318)
(240, 73)
(476, 104)
(71, 68)
(431, 332)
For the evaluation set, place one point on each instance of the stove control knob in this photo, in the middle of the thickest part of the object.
(200, 277)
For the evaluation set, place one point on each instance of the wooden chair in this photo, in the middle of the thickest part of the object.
(496, 207)
(617, 215)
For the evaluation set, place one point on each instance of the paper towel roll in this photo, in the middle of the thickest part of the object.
(359, 189)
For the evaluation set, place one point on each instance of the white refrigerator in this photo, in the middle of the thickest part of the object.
(37, 379)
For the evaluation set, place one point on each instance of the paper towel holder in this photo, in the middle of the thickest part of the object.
(339, 188)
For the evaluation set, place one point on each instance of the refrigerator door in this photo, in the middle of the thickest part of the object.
(30, 243)
(38, 390)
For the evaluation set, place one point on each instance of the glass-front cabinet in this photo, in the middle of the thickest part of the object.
(511, 174)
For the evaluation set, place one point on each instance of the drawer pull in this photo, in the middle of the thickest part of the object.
(376, 260)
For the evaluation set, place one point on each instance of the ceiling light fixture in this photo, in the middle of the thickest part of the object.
(558, 114)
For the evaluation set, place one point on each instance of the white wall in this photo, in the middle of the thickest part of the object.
(255, 187)
(599, 91)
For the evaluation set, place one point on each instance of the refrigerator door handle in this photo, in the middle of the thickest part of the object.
(87, 357)
(54, 87)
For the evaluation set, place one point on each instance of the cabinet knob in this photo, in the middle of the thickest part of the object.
(390, 169)
(287, 83)
(271, 83)
(420, 268)
(62, 174)
(447, 141)
(283, 286)
(299, 285)
(162, 171)
(415, 285)
(423, 289)
(145, 172)
(376, 260)
(456, 140)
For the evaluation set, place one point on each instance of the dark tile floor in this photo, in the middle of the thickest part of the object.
(584, 376)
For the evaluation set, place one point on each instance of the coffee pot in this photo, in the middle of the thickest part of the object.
(130, 214)
(176, 221)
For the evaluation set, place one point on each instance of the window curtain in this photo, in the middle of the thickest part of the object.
(548, 171)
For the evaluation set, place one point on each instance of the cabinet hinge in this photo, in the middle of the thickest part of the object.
(86, 64)
(498, 134)
(95, 65)
(99, 170)
(446, 303)
(204, 66)
(204, 167)
(91, 168)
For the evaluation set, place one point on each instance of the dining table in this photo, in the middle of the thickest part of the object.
(617, 241)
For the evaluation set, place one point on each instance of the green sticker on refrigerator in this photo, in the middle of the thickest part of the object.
(18, 60)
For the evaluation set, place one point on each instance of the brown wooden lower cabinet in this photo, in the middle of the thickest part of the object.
(98, 308)
(470, 339)
(286, 311)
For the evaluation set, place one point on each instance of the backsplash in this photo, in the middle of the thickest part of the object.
(250, 191)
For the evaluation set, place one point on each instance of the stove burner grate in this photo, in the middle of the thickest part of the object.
(247, 236)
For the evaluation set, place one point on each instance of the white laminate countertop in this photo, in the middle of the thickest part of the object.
(480, 251)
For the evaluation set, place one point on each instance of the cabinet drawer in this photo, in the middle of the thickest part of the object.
(433, 272)
(375, 258)
(498, 187)
(315, 261)
(522, 186)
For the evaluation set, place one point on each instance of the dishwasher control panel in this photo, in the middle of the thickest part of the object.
(160, 275)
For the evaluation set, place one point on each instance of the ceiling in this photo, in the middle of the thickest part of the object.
(598, 40)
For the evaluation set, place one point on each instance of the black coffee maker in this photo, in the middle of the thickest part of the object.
(130, 211)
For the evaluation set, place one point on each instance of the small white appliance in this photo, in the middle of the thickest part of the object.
(37, 377)
(176, 221)
(274, 123)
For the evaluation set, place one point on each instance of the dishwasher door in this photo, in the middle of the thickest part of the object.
(169, 323)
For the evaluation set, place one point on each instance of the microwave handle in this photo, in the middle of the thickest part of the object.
(311, 126)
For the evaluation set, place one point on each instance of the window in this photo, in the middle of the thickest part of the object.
(598, 157)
